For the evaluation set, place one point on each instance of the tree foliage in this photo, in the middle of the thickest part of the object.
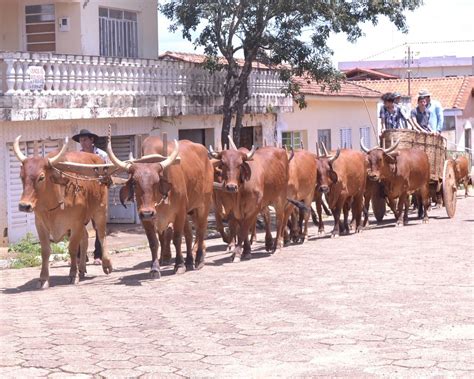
(289, 35)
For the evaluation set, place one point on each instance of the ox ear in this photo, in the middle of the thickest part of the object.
(164, 186)
(57, 178)
(333, 176)
(392, 157)
(127, 192)
(245, 172)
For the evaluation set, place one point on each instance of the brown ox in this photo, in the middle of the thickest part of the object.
(402, 172)
(342, 177)
(252, 181)
(301, 186)
(166, 193)
(62, 206)
(461, 171)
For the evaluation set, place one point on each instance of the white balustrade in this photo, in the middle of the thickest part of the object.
(79, 74)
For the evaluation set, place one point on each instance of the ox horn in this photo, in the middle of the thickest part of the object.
(117, 162)
(57, 157)
(212, 153)
(333, 158)
(317, 149)
(362, 146)
(250, 154)
(324, 149)
(231, 143)
(392, 148)
(168, 161)
(16, 149)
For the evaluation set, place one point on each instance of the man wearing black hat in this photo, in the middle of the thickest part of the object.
(87, 141)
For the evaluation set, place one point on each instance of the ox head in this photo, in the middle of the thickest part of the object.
(146, 180)
(231, 166)
(381, 163)
(36, 176)
(326, 176)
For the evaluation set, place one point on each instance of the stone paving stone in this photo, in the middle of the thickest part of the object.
(393, 302)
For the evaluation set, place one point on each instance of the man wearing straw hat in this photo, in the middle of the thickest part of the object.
(87, 140)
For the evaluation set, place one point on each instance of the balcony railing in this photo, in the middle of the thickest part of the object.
(187, 85)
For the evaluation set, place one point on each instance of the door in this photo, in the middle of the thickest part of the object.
(117, 214)
(20, 223)
(246, 137)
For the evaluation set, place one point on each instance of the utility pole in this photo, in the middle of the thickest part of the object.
(409, 61)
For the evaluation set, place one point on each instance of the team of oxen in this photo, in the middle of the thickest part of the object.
(176, 186)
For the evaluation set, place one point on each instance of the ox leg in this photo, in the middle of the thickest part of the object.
(466, 185)
(150, 232)
(165, 243)
(281, 212)
(243, 239)
(425, 199)
(357, 208)
(233, 231)
(83, 255)
(345, 223)
(201, 227)
(400, 213)
(319, 209)
(190, 249)
(43, 235)
(74, 244)
(100, 220)
(336, 212)
(268, 228)
(220, 226)
(367, 197)
(179, 266)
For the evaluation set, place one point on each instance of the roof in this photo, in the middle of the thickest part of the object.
(441, 61)
(451, 92)
(200, 58)
(348, 89)
(367, 73)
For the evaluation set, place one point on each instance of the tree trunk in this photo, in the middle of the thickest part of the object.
(226, 122)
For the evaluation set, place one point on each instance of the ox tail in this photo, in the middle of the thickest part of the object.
(314, 216)
(299, 204)
(326, 209)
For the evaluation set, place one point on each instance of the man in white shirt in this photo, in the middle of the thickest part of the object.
(87, 141)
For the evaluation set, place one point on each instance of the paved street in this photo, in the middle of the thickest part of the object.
(387, 302)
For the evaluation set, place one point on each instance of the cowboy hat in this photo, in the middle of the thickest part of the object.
(85, 132)
(424, 93)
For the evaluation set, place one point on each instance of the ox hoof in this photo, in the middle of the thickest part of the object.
(426, 220)
(179, 269)
(334, 235)
(246, 256)
(73, 279)
(235, 258)
(359, 229)
(82, 275)
(199, 265)
(155, 274)
(107, 267)
(321, 232)
(42, 284)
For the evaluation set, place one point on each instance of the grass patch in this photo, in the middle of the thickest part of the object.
(27, 252)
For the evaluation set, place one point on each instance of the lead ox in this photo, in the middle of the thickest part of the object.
(343, 177)
(166, 192)
(252, 181)
(402, 172)
(62, 206)
(461, 171)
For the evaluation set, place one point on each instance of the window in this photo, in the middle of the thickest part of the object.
(40, 28)
(292, 139)
(324, 136)
(365, 134)
(449, 123)
(345, 140)
(118, 33)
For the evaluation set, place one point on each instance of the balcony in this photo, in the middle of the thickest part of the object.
(44, 86)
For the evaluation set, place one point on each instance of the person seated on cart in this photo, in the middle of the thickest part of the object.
(390, 115)
(420, 116)
(435, 109)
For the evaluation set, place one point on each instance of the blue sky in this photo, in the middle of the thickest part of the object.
(429, 26)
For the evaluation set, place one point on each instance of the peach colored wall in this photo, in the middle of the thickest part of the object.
(9, 28)
(332, 113)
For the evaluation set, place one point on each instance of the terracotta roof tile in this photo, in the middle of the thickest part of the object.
(452, 92)
(348, 89)
(199, 58)
(379, 74)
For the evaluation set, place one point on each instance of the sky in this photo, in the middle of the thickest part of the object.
(435, 29)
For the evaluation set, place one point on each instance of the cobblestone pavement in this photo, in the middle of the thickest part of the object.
(387, 302)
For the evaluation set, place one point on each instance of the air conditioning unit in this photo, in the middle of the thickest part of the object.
(64, 24)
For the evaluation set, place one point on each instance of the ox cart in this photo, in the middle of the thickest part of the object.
(442, 174)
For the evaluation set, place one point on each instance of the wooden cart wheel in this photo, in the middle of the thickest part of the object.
(449, 188)
(378, 205)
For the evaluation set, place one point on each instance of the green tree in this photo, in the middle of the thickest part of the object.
(289, 35)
